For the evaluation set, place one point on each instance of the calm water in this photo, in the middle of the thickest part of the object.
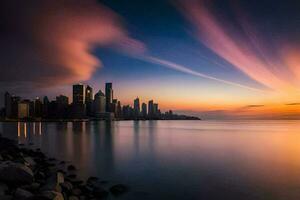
(178, 159)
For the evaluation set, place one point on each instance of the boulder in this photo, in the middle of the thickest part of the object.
(15, 173)
(52, 195)
(29, 161)
(22, 194)
(73, 198)
(66, 186)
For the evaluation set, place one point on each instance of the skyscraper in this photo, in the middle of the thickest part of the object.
(109, 96)
(150, 109)
(155, 109)
(8, 102)
(38, 107)
(89, 100)
(136, 107)
(99, 104)
(144, 110)
(78, 94)
(78, 106)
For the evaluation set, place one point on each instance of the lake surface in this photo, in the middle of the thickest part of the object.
(209, 160)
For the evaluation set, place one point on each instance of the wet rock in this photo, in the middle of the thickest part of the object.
(15, 174)
(76, 191)
(53, 195)
(73, 198)
(66, 186)
(22, 194)
(60, 177)
(118, 189)
(53, 183)
(29, 161)
(32, 188)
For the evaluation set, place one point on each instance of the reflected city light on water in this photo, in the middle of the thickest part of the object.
(24, 129)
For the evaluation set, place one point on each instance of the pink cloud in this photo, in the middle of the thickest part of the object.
(51, 42)
(245, 50)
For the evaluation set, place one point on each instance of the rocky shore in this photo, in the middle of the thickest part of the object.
(29, 174)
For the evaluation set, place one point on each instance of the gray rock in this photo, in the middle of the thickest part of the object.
(53, 195)
(60, 177)
(15, 173)
(22, 194)
(33, 187)
(73, 198)
(66, 186)
(76, 191)
(29, 161)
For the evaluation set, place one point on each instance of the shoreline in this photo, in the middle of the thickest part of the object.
(27, 173)
(91, 120)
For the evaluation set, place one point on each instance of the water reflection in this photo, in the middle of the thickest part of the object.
(178, 160)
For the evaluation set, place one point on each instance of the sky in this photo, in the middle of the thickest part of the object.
(217, 59)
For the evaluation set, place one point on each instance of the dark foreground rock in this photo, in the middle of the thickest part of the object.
(27, 174)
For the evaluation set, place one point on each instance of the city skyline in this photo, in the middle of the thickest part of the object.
(84, 106)
(214, 59)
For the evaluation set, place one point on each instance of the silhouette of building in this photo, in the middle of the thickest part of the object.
(119, 110)
(38, 107)
(136, 107)
(8, 105)
(144, 110)
(62, 105)
(89, 100)
(99, 105)
(155, 110)
(78, 106)
(109, 96)
(150, 109)
(23, 109)
(45, 111)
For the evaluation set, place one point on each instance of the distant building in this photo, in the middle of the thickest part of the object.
(155, 110)
(119, 110)
(136, 107)
(23, 109)
(89, 100)
(8, 104)
(78, 94)
(45, 110)
(114, 106)
(15, 106)
(62, 104)
(144, 110)
(38, 107)
(150, 109)
(99, 104)
(127, 112)
(109, 96)
(78, 106)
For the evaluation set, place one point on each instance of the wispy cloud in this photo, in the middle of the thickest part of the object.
(292, 104)
(245, 49)
(187, 70)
